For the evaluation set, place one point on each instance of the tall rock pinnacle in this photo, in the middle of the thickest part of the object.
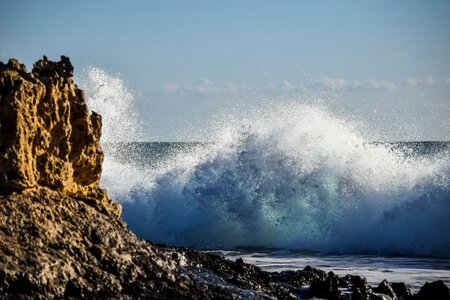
(48, 139)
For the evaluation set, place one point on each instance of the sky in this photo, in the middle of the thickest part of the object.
(384, 62)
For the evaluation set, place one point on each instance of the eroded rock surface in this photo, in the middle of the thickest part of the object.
(47, 136)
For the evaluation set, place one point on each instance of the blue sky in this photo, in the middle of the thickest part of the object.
(188, 60)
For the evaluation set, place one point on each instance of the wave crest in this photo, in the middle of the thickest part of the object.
(292, 177)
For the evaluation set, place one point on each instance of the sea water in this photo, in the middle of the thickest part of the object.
(414, 271)
(374, 265)
(313, 187)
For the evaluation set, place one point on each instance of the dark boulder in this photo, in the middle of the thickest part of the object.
(401, 290)
(435, 290)
(325, 287)
(361, 289)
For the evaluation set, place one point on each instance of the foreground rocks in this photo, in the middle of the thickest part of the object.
(62, 237)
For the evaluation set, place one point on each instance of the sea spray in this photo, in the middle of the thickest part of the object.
(109, 96)
(289, 176)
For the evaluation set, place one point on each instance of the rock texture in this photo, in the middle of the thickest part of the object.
(47, 137)
(55, 246)
(62, 237)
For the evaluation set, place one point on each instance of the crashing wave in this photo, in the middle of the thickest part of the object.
(289, 176)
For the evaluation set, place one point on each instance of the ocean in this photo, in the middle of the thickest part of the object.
(288, 185)
(407, 241)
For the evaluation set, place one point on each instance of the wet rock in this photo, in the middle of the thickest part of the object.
(375, 296)
(361, 290)
(385, 288)
(326, 287)
(435, 290)
(401, 290)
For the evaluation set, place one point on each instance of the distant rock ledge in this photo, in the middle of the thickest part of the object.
(62, 237)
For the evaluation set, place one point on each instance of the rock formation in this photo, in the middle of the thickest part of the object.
(47, 137)
(62, 237)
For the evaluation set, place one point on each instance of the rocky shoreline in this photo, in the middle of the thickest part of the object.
(61, 236)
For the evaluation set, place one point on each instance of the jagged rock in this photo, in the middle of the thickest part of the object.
(47, 137)
(361, 289)
(385, 288)
(401, 290)
(326, 287)
(54, 246)
(46, 250)
(435, 290)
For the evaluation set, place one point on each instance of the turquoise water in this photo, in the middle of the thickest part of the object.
(254, 195)
(414, 270)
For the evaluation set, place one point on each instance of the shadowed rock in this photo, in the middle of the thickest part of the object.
(385, 288)
(436, 290)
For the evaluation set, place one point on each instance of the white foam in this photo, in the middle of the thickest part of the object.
(287, 176)
(108, 95)
(413, 271)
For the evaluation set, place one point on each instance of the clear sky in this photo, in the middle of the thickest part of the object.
(387, 62)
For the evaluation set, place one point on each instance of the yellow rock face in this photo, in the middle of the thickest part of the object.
(47, 137)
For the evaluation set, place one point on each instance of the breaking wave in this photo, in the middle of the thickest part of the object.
(291, 176)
